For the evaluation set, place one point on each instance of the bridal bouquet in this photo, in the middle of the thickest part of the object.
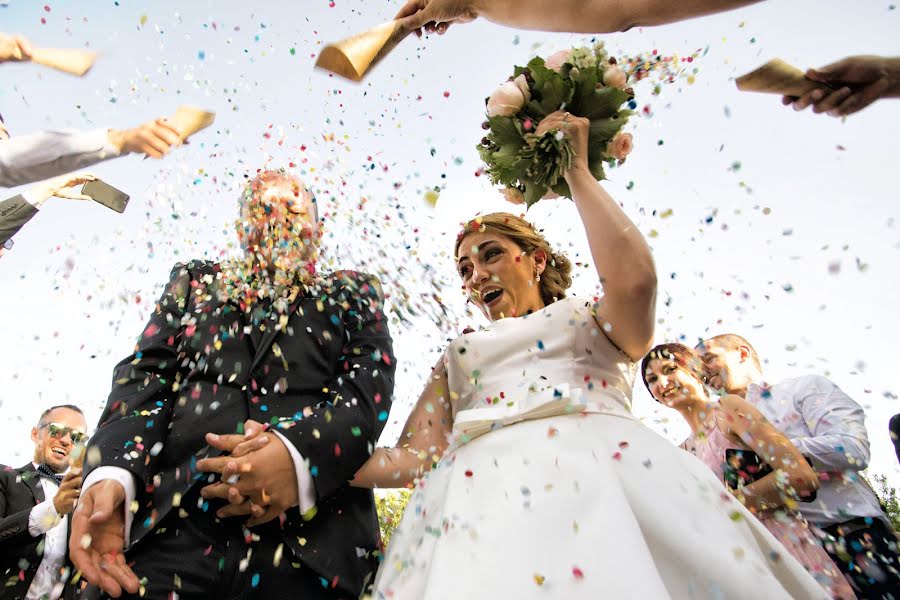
(584, 82)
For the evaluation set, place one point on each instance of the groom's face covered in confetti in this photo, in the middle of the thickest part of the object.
(279, 225)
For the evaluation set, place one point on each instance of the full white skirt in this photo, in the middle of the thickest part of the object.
(582, 506)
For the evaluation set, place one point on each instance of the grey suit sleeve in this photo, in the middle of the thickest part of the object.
(14, 213)
(38, 156)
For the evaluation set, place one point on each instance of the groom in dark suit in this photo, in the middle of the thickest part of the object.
(262, 343)
(34, 503)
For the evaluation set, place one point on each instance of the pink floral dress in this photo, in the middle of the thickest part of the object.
(795, 534)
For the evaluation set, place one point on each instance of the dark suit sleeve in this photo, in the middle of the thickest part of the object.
(135, 422)
(13, 527)
(340, 434)
(14, 213)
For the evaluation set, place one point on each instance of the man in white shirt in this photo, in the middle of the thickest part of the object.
(828, 427)
(38, 156)
(35, 501)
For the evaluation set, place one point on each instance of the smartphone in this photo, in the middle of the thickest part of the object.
(746, 466)
(106, 195)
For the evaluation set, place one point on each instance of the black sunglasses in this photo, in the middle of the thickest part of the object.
(58, 430)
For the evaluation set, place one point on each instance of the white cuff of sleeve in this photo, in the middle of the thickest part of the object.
(124, 477)
(305, 486)
(107, 149)
(33, 199)
(42, 518)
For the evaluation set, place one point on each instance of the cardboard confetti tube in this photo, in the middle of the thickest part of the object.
(77, 456)
(190, 119)
(74, 62)
(354, 56)
(777, 77)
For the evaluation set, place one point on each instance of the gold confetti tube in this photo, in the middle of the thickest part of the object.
(354, 56)
(777, 77)
(74, 62)
(190, 119)
(76, 458)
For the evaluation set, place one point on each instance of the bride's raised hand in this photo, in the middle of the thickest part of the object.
(435, 15)
(577, 129)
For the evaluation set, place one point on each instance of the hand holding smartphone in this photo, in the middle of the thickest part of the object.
(106, 195)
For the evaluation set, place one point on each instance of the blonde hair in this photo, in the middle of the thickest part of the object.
(555, 279)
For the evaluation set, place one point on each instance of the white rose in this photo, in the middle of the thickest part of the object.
(615, 77)
(509, 98)
(514, 196)
(556, 60)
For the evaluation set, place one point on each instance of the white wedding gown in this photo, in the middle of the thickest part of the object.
(588, 503)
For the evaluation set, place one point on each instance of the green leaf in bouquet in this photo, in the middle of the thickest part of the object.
(535, 111)
(534, 192)
(603, 130)
(508, 155)
(536, 63)
(602, 104)
(562, 189)
(504, 131)
(556, 94)
(551, 90)
(595, 166)
(585, 88)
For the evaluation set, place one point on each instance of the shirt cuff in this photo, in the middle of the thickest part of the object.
(305, 485)
(33, 199)
(42, 518)
(100, 139)
(124, 477)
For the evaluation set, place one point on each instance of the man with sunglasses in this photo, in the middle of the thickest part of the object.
(35, 501)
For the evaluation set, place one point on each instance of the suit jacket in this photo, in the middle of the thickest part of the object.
(324, 371)
(14, 213)
(20, 491)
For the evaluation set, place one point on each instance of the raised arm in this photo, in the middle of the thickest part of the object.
(839, 440)
(627, 311)
(423, 441)
(747, 423)
(36, 156)
(577, 16)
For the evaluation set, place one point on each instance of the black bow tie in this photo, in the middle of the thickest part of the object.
(46, 472)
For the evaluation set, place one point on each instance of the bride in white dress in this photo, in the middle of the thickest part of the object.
(540, 483)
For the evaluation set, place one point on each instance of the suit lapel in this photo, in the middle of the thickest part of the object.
(268, 336)
(30, 478)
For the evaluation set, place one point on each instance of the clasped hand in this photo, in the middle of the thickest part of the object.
(258, 477)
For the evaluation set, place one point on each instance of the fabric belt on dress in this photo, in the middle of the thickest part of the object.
(552, 401)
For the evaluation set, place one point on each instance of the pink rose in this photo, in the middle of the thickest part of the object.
(556, 60)
(615, 77)
(509, 98)
(620, 146)
(514, 196)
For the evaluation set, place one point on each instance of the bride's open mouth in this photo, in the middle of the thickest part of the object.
(491, 296)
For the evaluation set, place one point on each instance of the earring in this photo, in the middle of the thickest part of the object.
(537, 277)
